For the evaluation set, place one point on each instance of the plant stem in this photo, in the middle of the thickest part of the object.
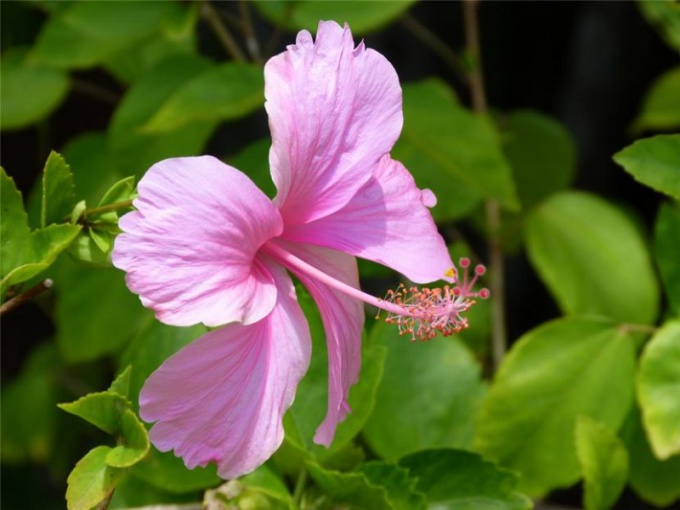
(124, 204)
(251, 40)
(210, 14)
(493, 212)
(300, 486)
(22, 298)
(637, 328)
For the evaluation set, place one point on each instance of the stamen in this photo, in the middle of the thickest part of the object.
(430, 312)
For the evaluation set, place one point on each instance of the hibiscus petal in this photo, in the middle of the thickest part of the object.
(334, 110)
(189, 248)
(222, 398)
(343, 319)
(387, 221)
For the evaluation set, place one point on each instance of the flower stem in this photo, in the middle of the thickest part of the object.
(210, 14)
(493, 212)
(22, 298)
(124, 204)
(300, 484)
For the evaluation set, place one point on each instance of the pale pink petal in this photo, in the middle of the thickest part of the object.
(222, 398)
(387, 221)
(189, 248)
(343, 319)
(334, 110)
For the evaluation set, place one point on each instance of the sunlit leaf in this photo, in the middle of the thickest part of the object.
(103, 409)
(655, 162)
(661, 107)
(92, 480)
(553, 374)
(592, 258)
(604, 462)
(29, 93)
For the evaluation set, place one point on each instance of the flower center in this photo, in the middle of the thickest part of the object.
(422, 313)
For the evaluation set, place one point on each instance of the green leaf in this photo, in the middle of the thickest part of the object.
(89, 252)
(92, 167)
(554, 373)
(464, 146)
(167, 472)
(460, 480)
(58, 191)
(264, 481)
(103, 410)
(121, 385)
(25, 254)
(396, 480)
(604, 462)
(134, 151)
(92, 480)
(658, 382)
(96, 313)
(431, 389)
(667, 251)
(119, 192)
(592, 258)
(652, 479)
(224, 92)
(655, 162)
(151, 346)
(310, 406)
(29, 93)
(28, 431)
(85, 34)
(661, 107)
(135, 442)
(665, 16)
(541, 153)
(362, 17)
(352, 489)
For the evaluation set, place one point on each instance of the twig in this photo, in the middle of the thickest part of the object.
(95, 91)
(213, 18)
(493, 212)
(22, 298)
(278, 30)
(251, 40)
(431, 40)
(123, 204)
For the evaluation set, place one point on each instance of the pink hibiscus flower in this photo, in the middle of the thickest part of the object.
(205, 245)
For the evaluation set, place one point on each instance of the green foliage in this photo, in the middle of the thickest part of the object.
(555, 373)
(658, 389)
(428, 397)
(604, 462)
(654, 162)
(29, 92)
(667, 251)
(661, 107)
(353, 489)
(592, 258)
(92, 480)
(665, 16)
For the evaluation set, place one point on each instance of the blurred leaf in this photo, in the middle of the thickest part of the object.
(553, 374)
(460, 480)
(264, 481)
(541, 153)
(667, 251)
(133, 492)
(91, 481)
(653, 480)
(85, 34)
(665, 16)
(25, 254)
(309, 408)
(658, 381)
(362, 17)
(396, 480)
(465, 146)
(661, 107)
(431, 389)
(134, 151)
(253, 160)
(29, 93)
(592, 258)
(223, 92)
(58, 191)
(352, 489)
(604, 462)
(88, 252)
(103, 410)
(96, 314)
(28, 430)
(167, 472)
(655, 162)
(135, 442)
(91, 165)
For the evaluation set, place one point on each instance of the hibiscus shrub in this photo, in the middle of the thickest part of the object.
(192, 330)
